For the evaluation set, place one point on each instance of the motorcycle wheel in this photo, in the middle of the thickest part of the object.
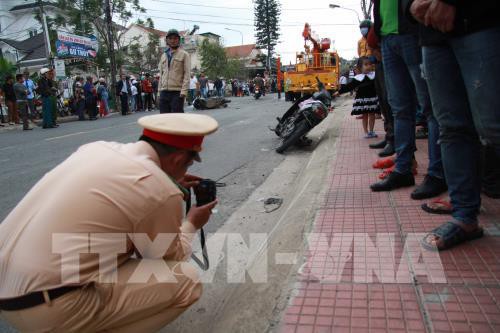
(301, 129)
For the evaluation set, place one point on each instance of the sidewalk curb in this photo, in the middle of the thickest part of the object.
(231, 307)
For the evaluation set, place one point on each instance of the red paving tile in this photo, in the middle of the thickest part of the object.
(364, 270)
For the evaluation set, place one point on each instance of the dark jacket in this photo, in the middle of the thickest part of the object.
(405, 26)
(470, 17)
(44, 87)
(8, 91)
(119, 86)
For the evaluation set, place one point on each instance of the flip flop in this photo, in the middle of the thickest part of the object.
(451, 234)
(446, 207)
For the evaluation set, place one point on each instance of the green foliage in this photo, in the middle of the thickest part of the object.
(213, 58)
(214, 62)
(6, 68)
(267, 15)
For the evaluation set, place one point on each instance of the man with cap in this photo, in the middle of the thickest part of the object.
(66, 263)
(45, 90)
(174, 67)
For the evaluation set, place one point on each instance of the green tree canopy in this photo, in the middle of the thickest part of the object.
(267, 15)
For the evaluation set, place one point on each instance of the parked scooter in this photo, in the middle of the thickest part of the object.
(306, 113)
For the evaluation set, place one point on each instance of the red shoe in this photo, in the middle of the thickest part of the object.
(384, 163)
(388, 171)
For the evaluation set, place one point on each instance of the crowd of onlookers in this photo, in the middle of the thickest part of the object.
(430, 68)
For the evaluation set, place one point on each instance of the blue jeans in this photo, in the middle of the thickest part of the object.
(463, 81)
(204, 92)
(406, 90)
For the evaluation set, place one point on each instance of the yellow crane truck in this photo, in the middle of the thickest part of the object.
(318, 62)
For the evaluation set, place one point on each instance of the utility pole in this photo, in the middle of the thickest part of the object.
(111, 49)
(46, 33)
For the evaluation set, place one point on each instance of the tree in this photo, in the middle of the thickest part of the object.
(88, 16)
(152, 52)
(6, 68)
(214, 61)
(366, 8)
(213, 58)
(266, 24)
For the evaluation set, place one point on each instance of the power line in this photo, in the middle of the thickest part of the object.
(231, 8)
(194, 14)
(240, 24)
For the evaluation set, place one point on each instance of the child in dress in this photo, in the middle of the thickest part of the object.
(366, 100)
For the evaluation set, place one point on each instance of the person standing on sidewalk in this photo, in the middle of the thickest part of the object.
(460, 57)
(123, 90)
(90, 98)
(147, 89)
(193, 83)
(203, 86)
(30, 85)
(53, 95)
(103, 97)
(407, 89)
(387, 145)
(10, 100)
(363, 49)
(175, 68)
(155, 84)
(44, 89)
(22, 100)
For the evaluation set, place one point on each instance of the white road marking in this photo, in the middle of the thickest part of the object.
(85, 132)
(64, 136)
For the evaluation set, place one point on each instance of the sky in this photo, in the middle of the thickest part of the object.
(217, 16)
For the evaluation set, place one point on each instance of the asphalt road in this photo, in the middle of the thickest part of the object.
(240, 154)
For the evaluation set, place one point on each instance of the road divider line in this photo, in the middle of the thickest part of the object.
(64, 136)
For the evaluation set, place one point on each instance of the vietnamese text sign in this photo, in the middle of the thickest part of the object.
(69, 45)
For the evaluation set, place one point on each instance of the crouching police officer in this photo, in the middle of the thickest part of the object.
(67, 249)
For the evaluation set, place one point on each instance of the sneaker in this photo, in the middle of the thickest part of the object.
(373, 134)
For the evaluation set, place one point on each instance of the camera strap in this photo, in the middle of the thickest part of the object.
(205, 263)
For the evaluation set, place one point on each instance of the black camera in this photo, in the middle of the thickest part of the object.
(205, 192)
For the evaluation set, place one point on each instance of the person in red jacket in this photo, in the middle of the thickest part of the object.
(147, 89)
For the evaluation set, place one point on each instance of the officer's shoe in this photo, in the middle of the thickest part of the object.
(378, 145)
(388, 150)
(430, 187)
(393, 181)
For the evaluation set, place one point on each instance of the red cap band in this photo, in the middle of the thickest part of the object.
(178, 141)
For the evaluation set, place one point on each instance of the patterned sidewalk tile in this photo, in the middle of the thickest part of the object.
(365, 271)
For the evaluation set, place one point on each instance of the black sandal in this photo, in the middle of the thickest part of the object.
(451, 234)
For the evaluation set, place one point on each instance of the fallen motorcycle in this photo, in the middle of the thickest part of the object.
(306, 113)
(201, 103)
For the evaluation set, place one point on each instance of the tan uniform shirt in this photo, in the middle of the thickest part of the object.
(175, 77)
(102, 188)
